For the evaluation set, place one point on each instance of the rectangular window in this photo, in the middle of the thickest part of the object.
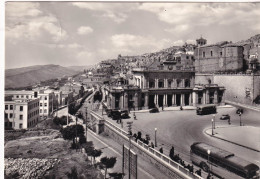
(40, 104)
(6, 107)
(45, 104)
(21, 108)
(22, 96)
(6, 115)
(17, 96)
(40, 110)
(203, 54)
(11, 115)
(27, 96)
(211, 53)
(20, 126)
(45, 110)
(220, 53)
(169, 83)
(21, 117)
(45, 98)
(187, 57)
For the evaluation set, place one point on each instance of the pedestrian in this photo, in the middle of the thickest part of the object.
(191, 168)
(134, 116)
(152, 145)
(162, 107)
(181, 108)
(198, 172)
(171, 155)
(161, 150)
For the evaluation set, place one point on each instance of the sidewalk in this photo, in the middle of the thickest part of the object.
(235, 135)
(177, 108)
(256, 108)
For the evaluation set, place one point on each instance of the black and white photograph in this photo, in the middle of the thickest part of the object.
(130, 90)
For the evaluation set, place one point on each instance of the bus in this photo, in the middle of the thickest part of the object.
(217, 160)
(207, 109)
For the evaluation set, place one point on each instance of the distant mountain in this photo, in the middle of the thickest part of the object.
(80, 68)
(21, 77)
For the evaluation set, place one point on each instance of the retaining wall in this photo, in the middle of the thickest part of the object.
(160, 161)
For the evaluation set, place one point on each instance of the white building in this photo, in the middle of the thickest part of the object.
(22, 113)
(46, 98)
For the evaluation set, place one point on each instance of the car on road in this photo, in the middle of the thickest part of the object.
(154, 110)
(225, 117)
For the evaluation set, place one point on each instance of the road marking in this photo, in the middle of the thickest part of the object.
(95, 136)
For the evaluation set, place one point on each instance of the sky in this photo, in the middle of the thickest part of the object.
(85, 33)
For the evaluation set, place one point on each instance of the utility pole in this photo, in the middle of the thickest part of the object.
(129, 125)
(76, 133)
(86, 121)
(212, 127)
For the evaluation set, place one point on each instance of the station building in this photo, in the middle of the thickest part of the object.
(161, 84)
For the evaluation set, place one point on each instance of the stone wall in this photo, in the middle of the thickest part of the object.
(144, 152)
(239, 88)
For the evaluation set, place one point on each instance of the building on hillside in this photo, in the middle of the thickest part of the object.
(21, 113)
(162, 87)
(46, 99)
(201, 41)
(219, 57)
(46, 103)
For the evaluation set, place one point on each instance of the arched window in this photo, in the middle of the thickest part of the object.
(187, 83)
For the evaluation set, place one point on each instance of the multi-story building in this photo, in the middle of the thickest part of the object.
(46, 103)
(21, 113)
(46, 98)
(163, 86)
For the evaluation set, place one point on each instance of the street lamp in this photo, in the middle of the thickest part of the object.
(212, 120)
(208, 160)
(240, 118)
(155, 131)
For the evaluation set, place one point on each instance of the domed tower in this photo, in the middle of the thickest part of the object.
(201, 41)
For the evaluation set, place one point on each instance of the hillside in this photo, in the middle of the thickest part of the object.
(80, 68)
(20, 77)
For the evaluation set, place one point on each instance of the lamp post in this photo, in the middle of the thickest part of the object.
(240, 118)
(86, 121)
(208, 160)
(155, 131)
(212, 121)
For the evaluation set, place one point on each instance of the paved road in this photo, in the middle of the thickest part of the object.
(182, 128)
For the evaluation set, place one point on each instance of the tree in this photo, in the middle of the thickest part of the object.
(69, 133)
(95, 153)
(108, 163)
(61, 120)
(82, 139)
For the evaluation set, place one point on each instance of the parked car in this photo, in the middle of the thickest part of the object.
(225, 117)
(124, 114)
(154, 110)
(115, 114)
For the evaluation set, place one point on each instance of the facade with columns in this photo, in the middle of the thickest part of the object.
(157, 88)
